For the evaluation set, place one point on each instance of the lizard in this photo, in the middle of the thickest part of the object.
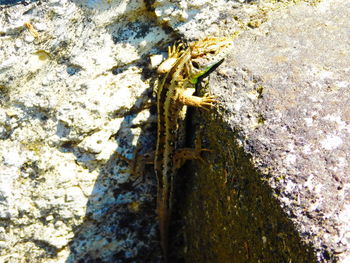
(174, 94)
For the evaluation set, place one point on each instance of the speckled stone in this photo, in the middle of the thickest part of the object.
(278, 188)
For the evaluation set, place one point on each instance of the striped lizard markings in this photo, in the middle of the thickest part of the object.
(174, 93)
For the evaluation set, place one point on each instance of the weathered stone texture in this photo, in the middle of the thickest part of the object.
(74, 98)
(69, 101)
(284, 95)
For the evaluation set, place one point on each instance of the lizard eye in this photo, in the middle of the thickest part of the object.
(195, 64)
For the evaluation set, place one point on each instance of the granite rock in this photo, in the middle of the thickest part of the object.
(279, 182)
(76, 82)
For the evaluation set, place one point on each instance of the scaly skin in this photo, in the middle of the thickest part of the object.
(174, 94)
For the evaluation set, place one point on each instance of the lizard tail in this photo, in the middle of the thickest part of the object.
(163, 215)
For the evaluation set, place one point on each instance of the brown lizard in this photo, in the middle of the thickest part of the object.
(174, 93)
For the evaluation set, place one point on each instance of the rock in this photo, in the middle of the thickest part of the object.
(276, 185)
(196, 19)
(76, 81)
(71, 99)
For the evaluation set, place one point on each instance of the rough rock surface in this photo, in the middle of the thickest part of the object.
(71, 97)
(279, 181)
(75, 84)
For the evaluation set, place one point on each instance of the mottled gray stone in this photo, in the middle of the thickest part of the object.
(70, 99)
(76, 98)
(284, 181)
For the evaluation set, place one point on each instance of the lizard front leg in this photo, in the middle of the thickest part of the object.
(185, 97)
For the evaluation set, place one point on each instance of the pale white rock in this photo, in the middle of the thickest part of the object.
(290, 159)
(194, 19)
(52, 236)
(13, 158)
(8, 63)
(331, 142)
(74, 194)
(7, 192)
(40, 26)
(107, 152)
(96, 142)
(18, 43)
(29, 38)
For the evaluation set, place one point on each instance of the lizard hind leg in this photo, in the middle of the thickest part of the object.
(184, 154)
